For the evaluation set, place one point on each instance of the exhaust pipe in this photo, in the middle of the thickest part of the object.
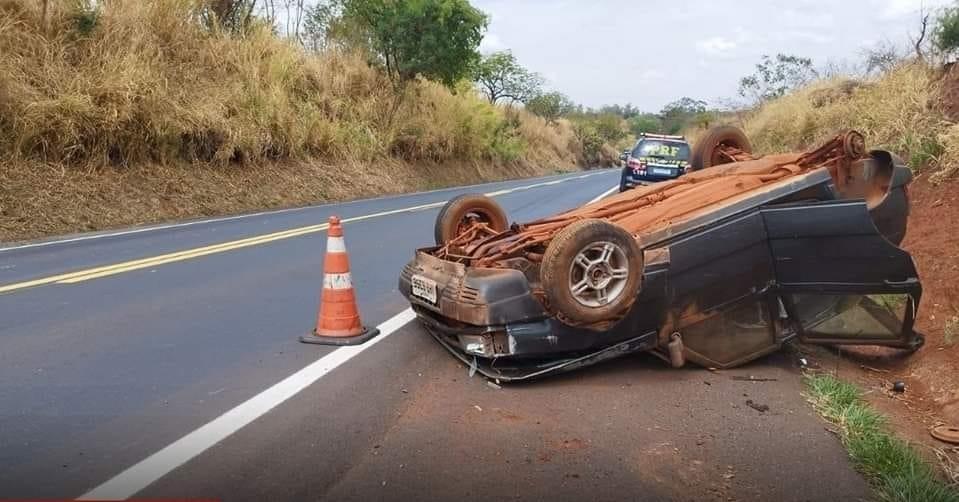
(675, 346)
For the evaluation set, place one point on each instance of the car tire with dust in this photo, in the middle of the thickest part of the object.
(458, 211)
(591, 272)
(706, 150)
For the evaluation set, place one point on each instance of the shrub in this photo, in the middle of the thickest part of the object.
(899, 111)
(150, 82)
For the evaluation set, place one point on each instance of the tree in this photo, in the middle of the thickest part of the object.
(626, 112)
(775, 77)
(324, 26)
(609, 127)
(500, 77)
(234, 15)
(923, 27)
(945, 35)
(881, 58)
(436, 39)
(704, 119)
(677, 114)
(645, 123)
(551, 105)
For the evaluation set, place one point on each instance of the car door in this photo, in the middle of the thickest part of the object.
(840, 280)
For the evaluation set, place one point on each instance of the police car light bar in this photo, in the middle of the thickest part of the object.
(661, 136)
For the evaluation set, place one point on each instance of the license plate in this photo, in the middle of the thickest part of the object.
(661, 171)
(424, 288)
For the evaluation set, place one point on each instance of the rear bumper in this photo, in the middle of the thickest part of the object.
(491, 315)
(474, 296)
(634, 180)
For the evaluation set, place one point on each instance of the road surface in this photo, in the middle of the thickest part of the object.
(164, 362)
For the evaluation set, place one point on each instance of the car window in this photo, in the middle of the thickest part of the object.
(852, 316)
(662, 149)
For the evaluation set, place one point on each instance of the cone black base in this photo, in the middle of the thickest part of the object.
(340, 341)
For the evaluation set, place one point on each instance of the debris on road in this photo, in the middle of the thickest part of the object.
(762, 408)
(899, 387)
(946, 433)
(751, 378)
(493, 385)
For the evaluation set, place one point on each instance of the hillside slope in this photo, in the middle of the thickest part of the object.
(137, 112)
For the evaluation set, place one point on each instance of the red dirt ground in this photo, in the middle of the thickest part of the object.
(933, 241)
(931, 375)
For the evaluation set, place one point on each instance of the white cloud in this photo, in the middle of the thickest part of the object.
(716, 46)
(807, 36)
(704, 47)
(900, 8)
(651, 75)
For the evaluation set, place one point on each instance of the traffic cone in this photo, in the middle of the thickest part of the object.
(338, 322)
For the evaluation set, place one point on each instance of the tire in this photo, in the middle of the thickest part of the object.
(458, 209)
(560, 272)
(705, 152)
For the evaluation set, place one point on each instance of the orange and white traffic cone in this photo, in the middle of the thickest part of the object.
(338, 322)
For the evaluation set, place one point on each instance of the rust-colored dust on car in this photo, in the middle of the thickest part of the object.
(652, 208)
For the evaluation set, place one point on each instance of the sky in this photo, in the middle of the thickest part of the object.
(652, 52)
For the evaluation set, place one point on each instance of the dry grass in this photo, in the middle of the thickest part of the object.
(900, 111)
(137, 112)
(39, 199)
(150, 84)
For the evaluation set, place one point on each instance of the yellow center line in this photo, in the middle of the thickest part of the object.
(127, 266)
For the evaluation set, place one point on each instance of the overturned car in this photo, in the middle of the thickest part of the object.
(717, 268)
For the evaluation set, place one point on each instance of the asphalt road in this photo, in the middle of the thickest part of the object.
(122, 349)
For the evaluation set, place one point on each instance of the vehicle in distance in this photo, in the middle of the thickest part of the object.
(655, 157)
(718, 267)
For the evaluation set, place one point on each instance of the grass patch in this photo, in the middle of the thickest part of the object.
(896, 470)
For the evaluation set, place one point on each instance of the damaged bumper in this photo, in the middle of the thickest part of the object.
(491, 321)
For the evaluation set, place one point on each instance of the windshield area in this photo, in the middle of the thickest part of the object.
(674, 150)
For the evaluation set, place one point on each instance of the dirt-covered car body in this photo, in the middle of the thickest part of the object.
(799, 258)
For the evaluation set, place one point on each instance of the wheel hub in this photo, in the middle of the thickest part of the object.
(598, 274)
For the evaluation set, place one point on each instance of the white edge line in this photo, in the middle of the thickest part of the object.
(142, 474)
(154, 228)
(604, 194)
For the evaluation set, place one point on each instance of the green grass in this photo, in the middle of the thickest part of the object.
(894, 468)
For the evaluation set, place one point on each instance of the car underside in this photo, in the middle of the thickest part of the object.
(718, 267)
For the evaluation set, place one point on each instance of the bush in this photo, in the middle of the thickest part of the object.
(945, 35)
(899, 111)
(646, 123)
(149, 82)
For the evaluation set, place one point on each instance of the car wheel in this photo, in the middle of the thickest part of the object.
(460, 211)
(706, 152)
(591, 272)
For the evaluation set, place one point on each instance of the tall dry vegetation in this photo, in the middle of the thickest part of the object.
(146, 82)
(901, 110)
(140, 112)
